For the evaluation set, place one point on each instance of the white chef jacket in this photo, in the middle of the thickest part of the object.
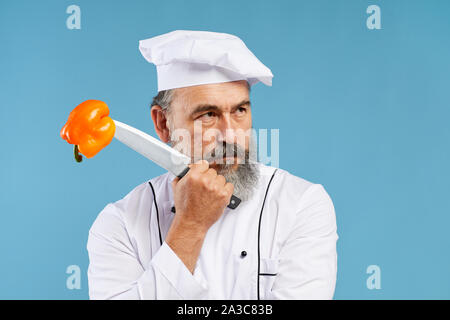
(287, 230)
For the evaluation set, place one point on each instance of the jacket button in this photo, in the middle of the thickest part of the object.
(243, 254)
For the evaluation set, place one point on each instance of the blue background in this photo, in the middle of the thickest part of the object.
(363, 112)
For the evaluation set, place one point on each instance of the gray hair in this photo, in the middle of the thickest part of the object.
(164, 98)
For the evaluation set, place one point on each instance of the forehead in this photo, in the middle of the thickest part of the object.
(223, 95)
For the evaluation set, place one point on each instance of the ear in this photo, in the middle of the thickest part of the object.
(160, 121)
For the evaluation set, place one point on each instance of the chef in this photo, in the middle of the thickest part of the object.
(172, 238)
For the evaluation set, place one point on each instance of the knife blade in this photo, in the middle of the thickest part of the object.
(160, 153)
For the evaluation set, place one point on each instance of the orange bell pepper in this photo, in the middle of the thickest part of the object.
(89, 128)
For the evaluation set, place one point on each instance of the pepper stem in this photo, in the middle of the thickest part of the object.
(78, 157)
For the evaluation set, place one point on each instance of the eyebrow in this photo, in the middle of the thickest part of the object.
(211, 107)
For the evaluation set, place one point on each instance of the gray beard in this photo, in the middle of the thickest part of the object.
(244, 178)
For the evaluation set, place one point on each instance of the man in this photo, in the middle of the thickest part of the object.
(172, 238)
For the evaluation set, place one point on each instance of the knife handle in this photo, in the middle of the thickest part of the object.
(234, 201)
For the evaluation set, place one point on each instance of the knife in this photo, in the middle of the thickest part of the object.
(159, 152)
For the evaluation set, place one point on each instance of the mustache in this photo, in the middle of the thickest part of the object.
(223, 150)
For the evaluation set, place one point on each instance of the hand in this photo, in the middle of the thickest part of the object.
(201, 196)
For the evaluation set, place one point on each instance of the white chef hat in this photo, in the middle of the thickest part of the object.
(187, 58)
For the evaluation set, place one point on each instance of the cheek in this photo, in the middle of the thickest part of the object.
(196, 144)
(248, 119)
(244, 124)
(203, 141)
(207, 141)
(247, 138)
(244, 134)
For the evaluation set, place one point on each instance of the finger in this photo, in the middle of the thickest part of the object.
(200, 166)
(221, 180)
(229, 187)
(211, 172)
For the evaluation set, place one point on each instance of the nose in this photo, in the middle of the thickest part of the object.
(227, 130)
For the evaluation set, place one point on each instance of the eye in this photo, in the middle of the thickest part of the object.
(207, 116)
(241, 111)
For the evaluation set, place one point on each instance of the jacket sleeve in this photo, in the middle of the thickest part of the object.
(308, 260)
(115, 271)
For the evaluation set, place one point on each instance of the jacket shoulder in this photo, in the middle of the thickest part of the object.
(296, 191)
(290, 185)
